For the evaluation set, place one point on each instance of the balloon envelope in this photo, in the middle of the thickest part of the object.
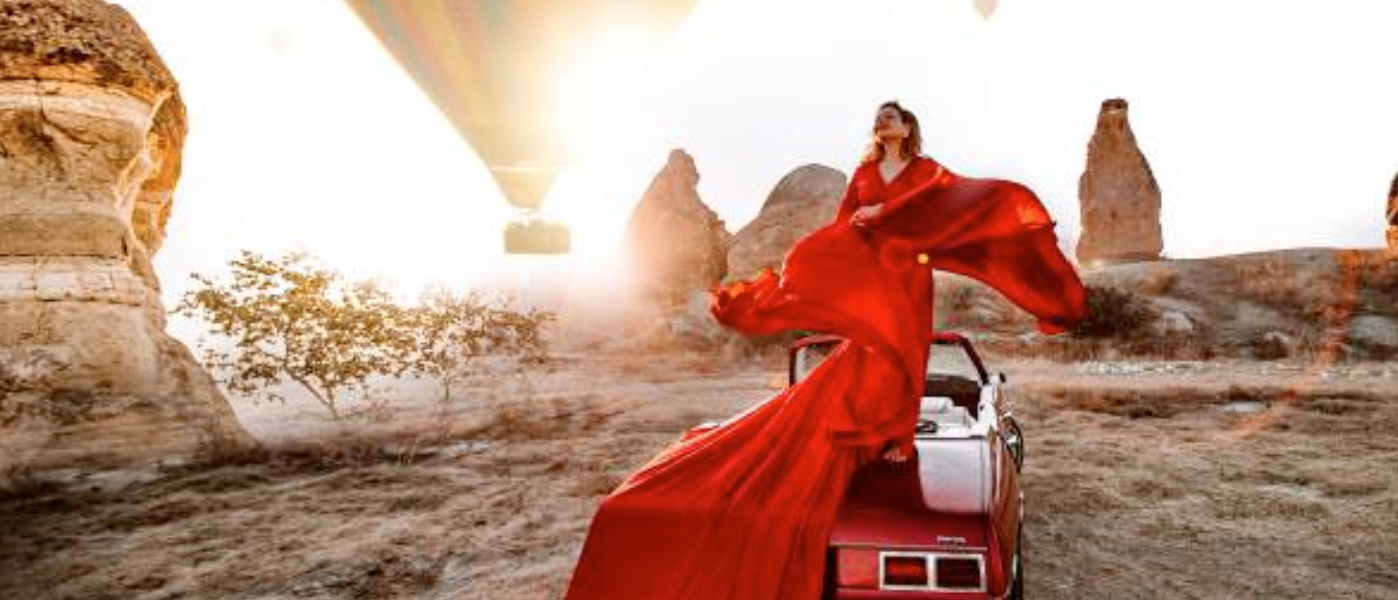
(494, 68)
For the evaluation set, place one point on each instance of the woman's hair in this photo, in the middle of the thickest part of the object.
(911, 146)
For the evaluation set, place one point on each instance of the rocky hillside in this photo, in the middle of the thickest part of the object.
(1324, 303)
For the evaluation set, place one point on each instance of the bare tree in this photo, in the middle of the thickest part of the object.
(289, 320)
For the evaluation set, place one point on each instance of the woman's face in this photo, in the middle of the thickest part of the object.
(889, 125)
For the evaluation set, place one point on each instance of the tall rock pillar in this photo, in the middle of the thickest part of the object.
(1120, 201)
(1392, 213)
(677, 246)
(91, 132)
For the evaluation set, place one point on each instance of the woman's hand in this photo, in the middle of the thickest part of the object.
(863, 214)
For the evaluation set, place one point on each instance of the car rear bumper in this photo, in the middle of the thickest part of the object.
(902, 595)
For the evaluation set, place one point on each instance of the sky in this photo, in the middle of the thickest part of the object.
(1268, 123)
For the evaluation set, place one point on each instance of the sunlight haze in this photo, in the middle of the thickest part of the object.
(1267, 124)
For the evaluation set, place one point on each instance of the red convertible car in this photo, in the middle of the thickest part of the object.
(945, 525)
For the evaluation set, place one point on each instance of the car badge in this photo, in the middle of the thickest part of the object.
(951, 540)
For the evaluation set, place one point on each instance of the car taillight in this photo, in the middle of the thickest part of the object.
(905, 571)
(959, 573)
(857, 567)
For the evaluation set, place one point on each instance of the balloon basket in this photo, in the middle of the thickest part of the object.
(533, 235)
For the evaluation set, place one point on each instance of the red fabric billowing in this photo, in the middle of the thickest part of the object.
(743, 511)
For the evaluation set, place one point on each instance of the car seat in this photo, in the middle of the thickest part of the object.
(944, 412)
(962, 391)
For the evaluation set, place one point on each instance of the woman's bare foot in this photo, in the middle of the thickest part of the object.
(894, 453)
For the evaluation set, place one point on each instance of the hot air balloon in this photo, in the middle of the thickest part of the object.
(986, 8)
(495, 67)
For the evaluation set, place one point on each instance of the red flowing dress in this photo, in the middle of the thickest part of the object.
(743, 511)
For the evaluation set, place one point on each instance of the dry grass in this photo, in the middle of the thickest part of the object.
(1371, 270)
(1160, 283)
(1270, 282)
(1170, 401)
(1071, 348)
(1244, 480)
(1171, 491)
(494, 507)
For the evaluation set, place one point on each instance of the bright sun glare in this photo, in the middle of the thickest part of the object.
(594, 93)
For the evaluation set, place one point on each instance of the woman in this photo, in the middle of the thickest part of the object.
(895, 150)
(743, 511)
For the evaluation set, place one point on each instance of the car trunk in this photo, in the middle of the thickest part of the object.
(939, 500)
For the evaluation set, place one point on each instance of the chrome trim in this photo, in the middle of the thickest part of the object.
(912, 547)
(927, 565)
(930, 560)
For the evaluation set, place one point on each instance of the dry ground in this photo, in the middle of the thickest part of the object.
(1144, 480)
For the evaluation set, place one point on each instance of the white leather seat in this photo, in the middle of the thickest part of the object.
(935, 404)
(945, 412)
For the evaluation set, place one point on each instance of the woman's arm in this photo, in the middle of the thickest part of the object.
(850, 210)
(848, 203)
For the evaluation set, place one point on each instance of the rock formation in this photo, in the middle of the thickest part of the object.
(677, 246)
(91, 132)
(1392, 232)
(1120, 201)
(802, 202)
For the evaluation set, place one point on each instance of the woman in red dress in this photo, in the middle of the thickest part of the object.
(743, 511)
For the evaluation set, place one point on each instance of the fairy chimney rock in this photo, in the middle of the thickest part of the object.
(676, 245)
(803, 201)
(1120, 201)
(91, 131)
(1392, 214)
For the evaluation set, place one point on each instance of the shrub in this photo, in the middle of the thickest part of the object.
(1271, 346)
(452, 332)
(1375, 270)
(1114, 313)
(1160, 282)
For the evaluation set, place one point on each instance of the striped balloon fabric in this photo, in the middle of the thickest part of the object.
(493, 67)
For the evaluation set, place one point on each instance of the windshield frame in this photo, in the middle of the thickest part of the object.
(939, 338)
